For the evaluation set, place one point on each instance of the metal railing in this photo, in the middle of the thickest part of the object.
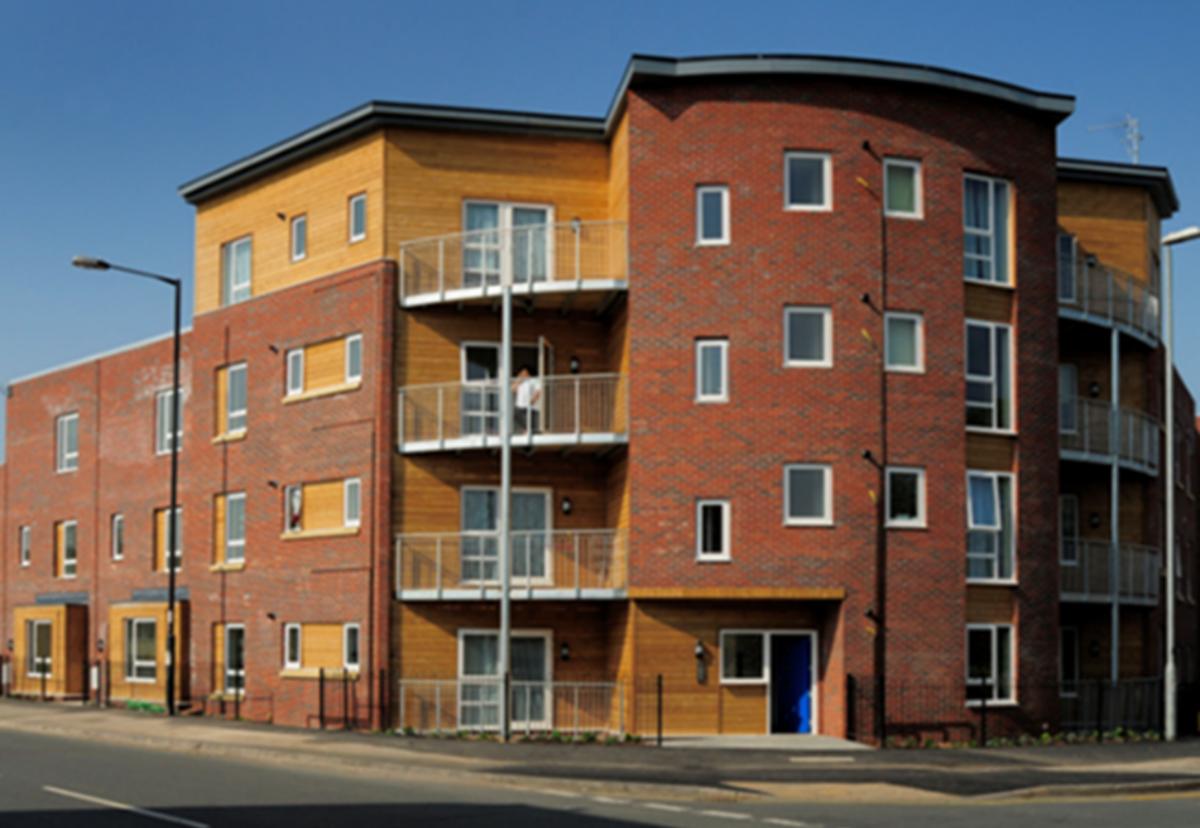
(548, 256)
(473, 705)
(1107, 295)
(1085, 571)
(1091, 427)
(1099, 705)
(567, 409)
(561, 560)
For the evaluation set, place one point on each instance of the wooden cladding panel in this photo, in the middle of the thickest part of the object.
(431, 173)
(218, 657)
(743, 708)
(991, 605)
(118, 614)
(68, 649)
(618, 494)
(990, 452)
(1112, 221)
(988, 304)
(321, 646)
(1133, 511)
(325, 364)
(323, 505)
(219, 508)
(221, 415)
(319, 187)
(1135, 373)
(618, 172)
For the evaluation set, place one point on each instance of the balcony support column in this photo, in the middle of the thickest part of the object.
(504, 510)
(1114, 548)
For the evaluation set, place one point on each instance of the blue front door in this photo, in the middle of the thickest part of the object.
(791, 684)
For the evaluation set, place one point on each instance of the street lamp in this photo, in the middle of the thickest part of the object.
(90, 263)
(1169, 241)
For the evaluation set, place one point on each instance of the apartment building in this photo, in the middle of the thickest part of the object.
(786, 339)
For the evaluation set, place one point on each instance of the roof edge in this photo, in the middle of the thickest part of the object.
(1155, 179)
(112, 352)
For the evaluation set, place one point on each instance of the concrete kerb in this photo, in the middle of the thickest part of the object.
(1093, 791)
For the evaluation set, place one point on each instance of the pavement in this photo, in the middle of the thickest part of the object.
(792, 768)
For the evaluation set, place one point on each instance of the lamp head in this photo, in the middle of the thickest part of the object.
(1180, 236)
(90, 263)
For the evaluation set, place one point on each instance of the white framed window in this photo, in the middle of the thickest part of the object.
(293, 508)
(712, 370)
(712, 530)
(991, 524)
(295, 371)
(712, 215)
(904, 342)
(235, 527)
(299, 238)
(1068, 530)
(175, 555)
(480, 681)
(527, 257)
(902, 196)
(986, 214)
(990, 663)
(235, 271)
(1066, 268)
(1068, 400)
(167, 425)
(235, 658)
(38, 648)
(358, 217)
(235, 398)
(1068, 662)
(808, 181)
(291, 646)
(905, 498)
(69, 563)
(743, 657)
(354, 358)
(989, 376)
(350, 642)
(807, 337)
(66, 429)
(352, 502)
(141, 650)
(25, 538)
(808, 495)
(117, 531)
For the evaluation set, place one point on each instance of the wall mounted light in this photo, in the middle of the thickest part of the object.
(1094, 390)
(567, 506)
(574, 365)
(564, 652)
(100, 645)
(701, 665)
(274, 484)
(271, 615)
(281, 216)
(1094, 520)
(10, 645)
(273, 348)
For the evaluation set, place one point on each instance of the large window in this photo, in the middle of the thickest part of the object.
(358, 217)
(712, 215)
(990, 526)
(25, 538)
(904, 342)
(989, 376)
(743, 657)
(235, 528)
(990, 660)
(712, 370)
(67, 442)
(235, 271)
(480, 684)
(902, 188)
(68, 549)
(808, 337)
(985, 230)
(141, 663)
(299, 238)
(167, 422)
(531, 530)
(906, 498)
(712, 530)
(38, 643)
(529, 255)
(808, 495)
(235, 399)
(808, 181)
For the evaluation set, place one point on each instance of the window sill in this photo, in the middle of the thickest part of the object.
(713, 243)
(718, 559)
(755, 682)
(998, 432)
(985, 283)
(315, 673)
(920, 527)
(900, 369)
(339, 531)
(327, 391)
(808, 208)
(825, 365)
(1000, 582)
(823, 524)
(231, 437)
(231, 566)
(991, 704)
(906, 216)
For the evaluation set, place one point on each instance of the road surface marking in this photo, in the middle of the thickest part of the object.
(121, 806)
(789, 822)
(820, 760)
(567, 794)
(726, 814)
(658, 806)
(609, 800)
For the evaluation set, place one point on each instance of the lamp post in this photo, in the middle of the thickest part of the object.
(90, 263)
(1169, 241)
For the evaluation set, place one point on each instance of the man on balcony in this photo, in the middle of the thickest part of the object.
(528, 390)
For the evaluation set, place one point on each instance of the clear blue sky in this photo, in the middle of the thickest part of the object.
(105, 108)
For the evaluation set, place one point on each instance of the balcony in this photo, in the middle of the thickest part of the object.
(586, 411)
(1092, 292)
(548, 565)
(1085, 572)
(1090, 431)
(581, 264)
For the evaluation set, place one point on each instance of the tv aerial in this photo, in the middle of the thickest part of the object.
(1132, 138)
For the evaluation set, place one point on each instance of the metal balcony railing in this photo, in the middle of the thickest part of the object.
(1105, 295)
(1085, 572)
(576, 255)
(1091, 430)
(573, 409)
(551, 564)
(473, 704)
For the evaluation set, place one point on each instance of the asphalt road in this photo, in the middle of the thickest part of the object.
(49, 781)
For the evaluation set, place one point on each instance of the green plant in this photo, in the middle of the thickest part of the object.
(409, 730)
(588, 737)
(633, 738)
(929, 743)
(612, 740)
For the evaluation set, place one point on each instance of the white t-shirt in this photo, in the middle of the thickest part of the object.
(527, 390)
